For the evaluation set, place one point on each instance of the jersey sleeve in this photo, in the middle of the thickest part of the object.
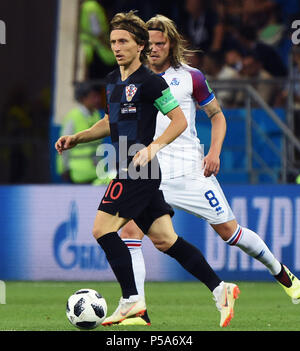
(202, 92)
(158, 92)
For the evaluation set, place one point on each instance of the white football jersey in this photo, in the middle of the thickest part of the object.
(184, 155)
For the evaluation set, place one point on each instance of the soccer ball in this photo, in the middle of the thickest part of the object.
(86, 309)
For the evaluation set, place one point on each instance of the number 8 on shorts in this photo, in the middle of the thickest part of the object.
(210, 196)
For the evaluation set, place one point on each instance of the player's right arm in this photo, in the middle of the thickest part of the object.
(98, 131)
(211, 161)
(208, 102)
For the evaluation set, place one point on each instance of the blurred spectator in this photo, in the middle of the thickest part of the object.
(201, 26)
(144, 8)
(296, 95)
(272, 34)
(265, 20)
(268, 56)
(252, 69)
(256, 13)
(296, 75)
(94, 38)
(234, 59)
(230, 12)
(24, 130)
(78, 165)
(277, 32)
(214, 67)
(282, 98)
(16, 138)
(147, 8)
(273, 30)
(230, 15)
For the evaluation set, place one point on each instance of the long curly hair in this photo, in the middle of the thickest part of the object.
(178, 45)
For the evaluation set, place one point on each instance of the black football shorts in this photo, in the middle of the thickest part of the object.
(140, 200)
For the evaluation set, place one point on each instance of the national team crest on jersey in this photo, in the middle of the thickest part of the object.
(130, 91)
(175, 81)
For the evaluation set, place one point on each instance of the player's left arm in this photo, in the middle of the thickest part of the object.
(211, 161)
(175, 128)
(169, 106)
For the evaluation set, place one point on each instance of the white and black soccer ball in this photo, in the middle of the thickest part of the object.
(86, 309)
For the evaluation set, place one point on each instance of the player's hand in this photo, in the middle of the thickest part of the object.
(65, 142)
(211, 164)
(142, 157)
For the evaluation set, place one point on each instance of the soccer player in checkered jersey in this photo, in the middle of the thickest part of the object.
(188, 178)
(134, 96)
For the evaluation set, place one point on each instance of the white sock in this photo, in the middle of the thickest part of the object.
(217, 290)
(216, 293)
(253, 245)
(138, 263)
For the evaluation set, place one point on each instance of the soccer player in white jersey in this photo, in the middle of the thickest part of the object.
(188, 178)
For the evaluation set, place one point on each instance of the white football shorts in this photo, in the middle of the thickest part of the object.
(198, 195)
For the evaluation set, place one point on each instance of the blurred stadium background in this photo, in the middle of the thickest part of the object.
(252, 65)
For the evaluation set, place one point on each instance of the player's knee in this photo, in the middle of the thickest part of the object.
(97, 232)
(128, 234)
(226, 230)
(131, 231)
(162, 243)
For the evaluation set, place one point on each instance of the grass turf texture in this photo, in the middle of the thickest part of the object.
(172, 306)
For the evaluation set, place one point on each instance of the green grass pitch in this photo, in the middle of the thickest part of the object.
(172, 306)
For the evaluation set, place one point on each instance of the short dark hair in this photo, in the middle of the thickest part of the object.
(130, 22)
